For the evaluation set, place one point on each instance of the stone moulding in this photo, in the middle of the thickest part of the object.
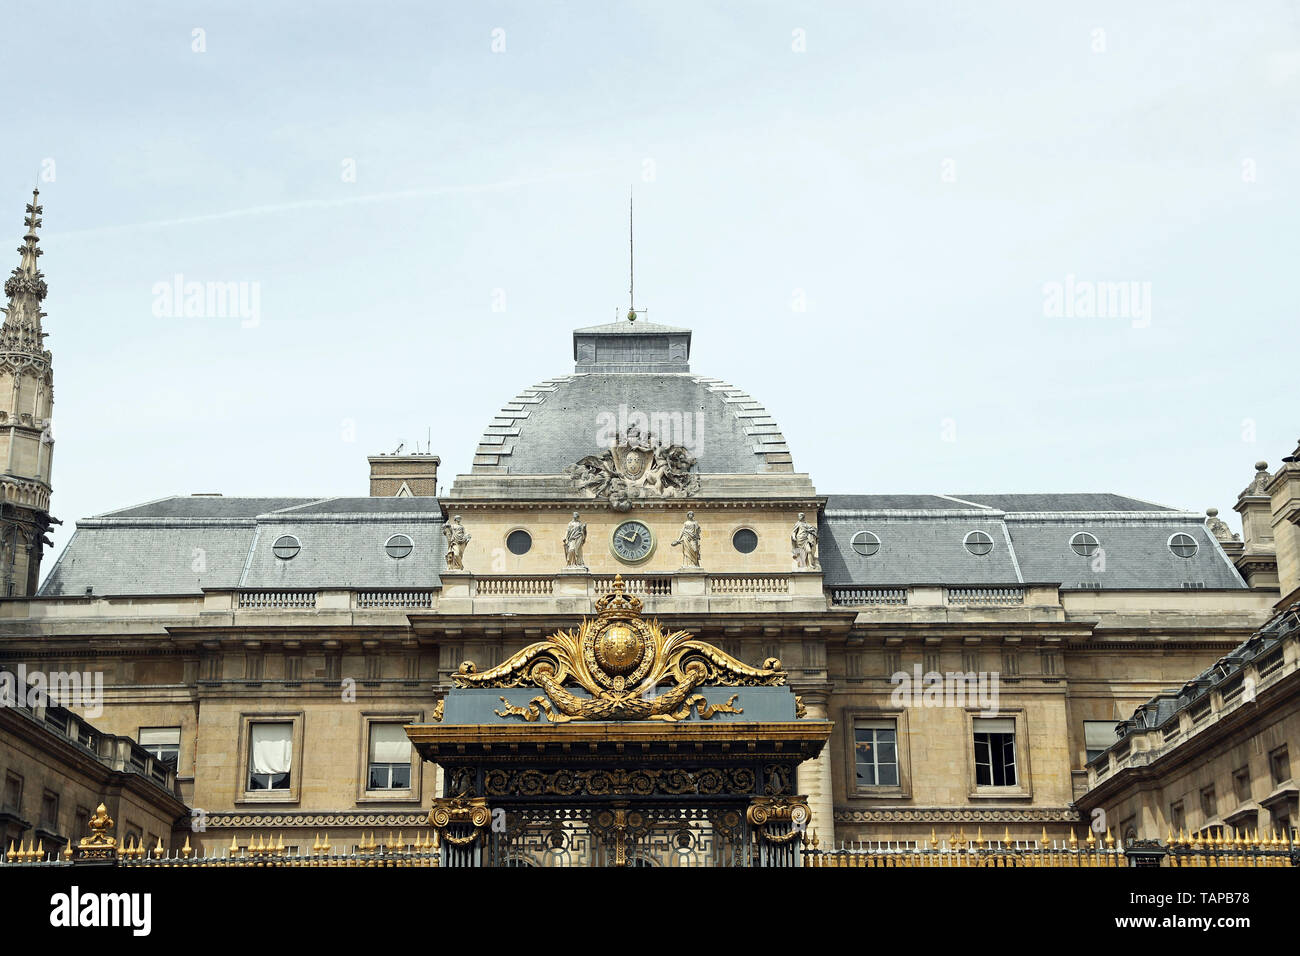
(290, 820)
(961, 815)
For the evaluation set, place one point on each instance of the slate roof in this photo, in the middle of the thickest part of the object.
(552, 425)
(922, 542)
(206, 506)
(182, 545)
(1063, 502)
(1158, 710)
(622, 327)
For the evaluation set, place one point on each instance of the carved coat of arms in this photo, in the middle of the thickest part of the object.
(636, 467)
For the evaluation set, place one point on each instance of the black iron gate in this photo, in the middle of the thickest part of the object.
(620, 834)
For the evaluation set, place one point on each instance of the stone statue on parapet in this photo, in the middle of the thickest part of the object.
(803, 545)
(689, 539)
(457, 537)
(575, 535)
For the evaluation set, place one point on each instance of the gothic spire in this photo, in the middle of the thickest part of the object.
(26, 289)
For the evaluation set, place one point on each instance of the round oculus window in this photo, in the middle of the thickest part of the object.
(519, 541)
(977, 542)
(1183, 545)
(1085, 544)
(865, 543)
(744, 540)
(398, 546)
(286, 547)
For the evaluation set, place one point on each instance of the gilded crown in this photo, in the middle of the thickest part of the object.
(617, 603)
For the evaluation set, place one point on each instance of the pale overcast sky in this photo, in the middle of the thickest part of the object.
(859, 208)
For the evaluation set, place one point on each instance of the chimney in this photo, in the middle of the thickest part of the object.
(411, 476)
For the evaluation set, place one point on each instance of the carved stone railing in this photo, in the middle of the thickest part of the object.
(394, 599)
(986, 597)
(515, 586)
(276, 599)
(750, 584)
(650, 585)
(868, 597)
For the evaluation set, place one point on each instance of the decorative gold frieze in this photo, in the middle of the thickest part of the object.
(641, 782)
(620, 659)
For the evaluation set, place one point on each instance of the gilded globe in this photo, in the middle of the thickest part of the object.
(619, 648)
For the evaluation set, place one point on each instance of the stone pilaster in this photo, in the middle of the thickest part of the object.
(815, 781)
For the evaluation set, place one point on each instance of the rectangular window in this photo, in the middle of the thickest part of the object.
(163, 742)
(13, 792)
(1241, 784)
(1209, 805)
(390, 758)
(1098, 736)
(875, 747)
(50, 810)
(1279, 765)
(995, 751)
(1176, 817)
(270, 756)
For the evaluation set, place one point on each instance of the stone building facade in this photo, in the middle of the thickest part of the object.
(1215, 757)
(972, 651)
(58, 767)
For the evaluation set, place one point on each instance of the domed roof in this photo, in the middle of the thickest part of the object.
(631, 374)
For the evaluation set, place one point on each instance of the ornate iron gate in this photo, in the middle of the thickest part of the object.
(620, 743)
(620, 835)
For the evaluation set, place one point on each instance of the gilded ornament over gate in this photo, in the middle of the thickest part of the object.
(620, 659)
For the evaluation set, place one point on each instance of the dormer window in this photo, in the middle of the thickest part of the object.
(1183, 545)
(978, 543)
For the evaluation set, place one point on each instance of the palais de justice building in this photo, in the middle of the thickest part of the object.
(261, 656)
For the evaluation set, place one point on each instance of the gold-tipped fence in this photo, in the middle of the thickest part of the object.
(1233, 850)
(1230, 849)
(262, 850)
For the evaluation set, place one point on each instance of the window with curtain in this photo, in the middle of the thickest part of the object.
(163, 742)
(390, 758)
(995, 752)
(270, 756)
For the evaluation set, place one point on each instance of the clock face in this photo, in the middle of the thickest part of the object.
(632, 542)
